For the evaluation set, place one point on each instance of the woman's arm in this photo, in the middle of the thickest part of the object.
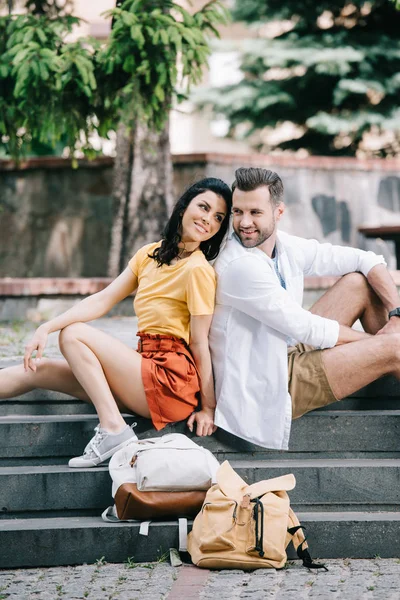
(199, 328)
(90, 308)
(97, 305)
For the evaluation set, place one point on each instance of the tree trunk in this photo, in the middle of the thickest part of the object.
(142, 192)
(121, 189)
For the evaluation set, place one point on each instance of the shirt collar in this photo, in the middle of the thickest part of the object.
(279, 247)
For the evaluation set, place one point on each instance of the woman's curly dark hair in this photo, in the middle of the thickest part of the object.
(171, 235)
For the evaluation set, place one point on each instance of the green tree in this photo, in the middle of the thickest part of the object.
(50, 8)
(332, 69)
(54, 89)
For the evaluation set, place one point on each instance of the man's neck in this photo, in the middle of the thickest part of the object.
(268, 246)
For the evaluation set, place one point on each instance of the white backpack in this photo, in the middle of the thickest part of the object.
(171, 463)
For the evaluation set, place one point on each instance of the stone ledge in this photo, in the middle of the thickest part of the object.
(54, 162)
(52, 286)
(324, 283)
(83, 286)
(287, 160)
(291, 161)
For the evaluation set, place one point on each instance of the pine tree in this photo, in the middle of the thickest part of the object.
(332, 70)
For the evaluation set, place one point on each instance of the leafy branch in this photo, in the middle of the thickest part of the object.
(54, 89)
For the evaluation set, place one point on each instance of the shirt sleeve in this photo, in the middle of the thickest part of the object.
(135, 263)
(200, 290)
(252, 288)
(329, 259)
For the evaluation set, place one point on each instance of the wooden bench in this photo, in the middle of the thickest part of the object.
(385, 232)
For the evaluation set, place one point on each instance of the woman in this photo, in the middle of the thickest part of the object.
(174, 303)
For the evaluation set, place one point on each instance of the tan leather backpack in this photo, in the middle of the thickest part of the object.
(243, 526)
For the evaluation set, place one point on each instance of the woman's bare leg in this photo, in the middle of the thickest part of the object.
(105, 368)
(50, 374)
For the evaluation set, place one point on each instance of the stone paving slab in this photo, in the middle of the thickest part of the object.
(356, 579)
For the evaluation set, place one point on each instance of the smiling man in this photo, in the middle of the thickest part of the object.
(273, 360)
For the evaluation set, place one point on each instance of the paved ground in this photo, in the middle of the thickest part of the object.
(346, 579)
(15, 335)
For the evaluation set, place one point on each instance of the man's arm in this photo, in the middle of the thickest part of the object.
(383, 285)
(327, 259)
(250, 285)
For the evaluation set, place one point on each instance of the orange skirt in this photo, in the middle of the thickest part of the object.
(170, 378)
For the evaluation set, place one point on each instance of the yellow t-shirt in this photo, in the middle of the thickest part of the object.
(167, 296)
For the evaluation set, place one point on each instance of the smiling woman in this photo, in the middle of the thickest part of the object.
(199, 220)
(171, 369)
(203, 216)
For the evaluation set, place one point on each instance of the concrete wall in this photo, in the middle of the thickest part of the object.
(56, 221)
(329, 198)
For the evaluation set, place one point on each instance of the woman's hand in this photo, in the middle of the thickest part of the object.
(204, 420)
(37, 344)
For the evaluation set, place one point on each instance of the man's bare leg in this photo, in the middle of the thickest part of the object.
(352, 298)
(352, 366)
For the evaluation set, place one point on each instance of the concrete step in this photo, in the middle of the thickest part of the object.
(363, 403)
(44, 402)
(59, 435)
(70, 406)
(326, 484)
(388, 387)
(383, 394)
(66, 407)
(318, 431)
(330, 432)
(271, 455)
(77, 540)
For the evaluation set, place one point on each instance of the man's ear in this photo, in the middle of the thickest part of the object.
(280, 209)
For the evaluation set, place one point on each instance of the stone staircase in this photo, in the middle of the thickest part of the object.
(346, 461)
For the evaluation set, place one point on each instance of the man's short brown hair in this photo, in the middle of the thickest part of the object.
(248, 179)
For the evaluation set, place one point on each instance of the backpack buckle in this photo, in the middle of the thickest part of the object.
(246, 501)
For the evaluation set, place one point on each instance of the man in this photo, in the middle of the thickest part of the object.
(273, 360)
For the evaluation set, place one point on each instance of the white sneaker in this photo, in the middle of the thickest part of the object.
(103, 445)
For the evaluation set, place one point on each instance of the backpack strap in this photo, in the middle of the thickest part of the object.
(283, 483)
(109, 515)
(230, 482)
(183, 533)
(235, 487)
(299, 542)
(144, 528)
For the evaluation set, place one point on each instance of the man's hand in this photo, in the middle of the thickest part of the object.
(204, 420)
(392, 326)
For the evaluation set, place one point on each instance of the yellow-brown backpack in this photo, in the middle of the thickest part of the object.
(243, 526)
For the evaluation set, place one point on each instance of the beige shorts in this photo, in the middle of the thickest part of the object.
(308, 383)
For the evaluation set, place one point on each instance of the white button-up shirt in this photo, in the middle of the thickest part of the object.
(254, 318)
